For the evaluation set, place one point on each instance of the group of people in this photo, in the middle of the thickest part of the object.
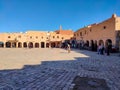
(102, 50)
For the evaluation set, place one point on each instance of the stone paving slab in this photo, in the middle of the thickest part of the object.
(52, 74)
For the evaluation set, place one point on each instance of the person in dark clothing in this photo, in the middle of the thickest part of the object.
(108, 48)
(102, 49)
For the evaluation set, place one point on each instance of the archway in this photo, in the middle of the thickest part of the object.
(8, 44)
(92, 45)
(87, 43)
(42, 45)
(1, 44)
(101, 42)
(19, 45)
(73, 43)
(36, 45)
(108, 43)
(58, 45)
(47, 45)
(30, 45)
(25, 44)
(14, 44)
(95, 45)
(53, 44)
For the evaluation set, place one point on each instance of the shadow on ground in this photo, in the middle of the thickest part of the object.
(61, 75)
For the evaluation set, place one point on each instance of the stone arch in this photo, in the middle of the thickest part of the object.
(108, 42)
(30, 44)
(47, 45)
(19, 45)
(13, 44)
(42, 44)
(87, 43)
(101, 42)
(25, 44)
(58, 44)
(8, 45)
(53, 44)
(36, 45)
(92, 45)
(95, 45)
(73, 42)
(1, 44)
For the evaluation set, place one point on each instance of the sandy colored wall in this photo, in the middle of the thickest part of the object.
(101, 31)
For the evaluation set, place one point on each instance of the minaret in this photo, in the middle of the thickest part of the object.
(60, 27)
(114, 15)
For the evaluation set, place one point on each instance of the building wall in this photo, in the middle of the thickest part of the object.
(34, 37)
(101, 31)
(117, 25)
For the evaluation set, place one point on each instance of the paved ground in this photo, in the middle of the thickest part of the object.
(55, 69)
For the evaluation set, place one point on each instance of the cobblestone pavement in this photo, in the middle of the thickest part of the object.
(58, 75)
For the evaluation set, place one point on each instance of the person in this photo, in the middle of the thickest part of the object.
(99, 49)
(102, 49)
(108, 47)
(68, 48)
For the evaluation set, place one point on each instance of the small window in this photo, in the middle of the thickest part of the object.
(104, 27)
(57, 36)
(47, 38)
(30, 37)
(9, 37)
(36, 37)
(42, 37)
(77, 34)
(90, 30)
(80, 33)
(62, 37)
(74, 34)
(53, 36)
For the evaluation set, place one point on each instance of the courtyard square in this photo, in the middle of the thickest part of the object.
(55, 68)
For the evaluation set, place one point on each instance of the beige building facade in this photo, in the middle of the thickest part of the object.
(106, 31)
(91, 36)
(35, 39)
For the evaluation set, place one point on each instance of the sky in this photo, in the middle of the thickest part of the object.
(48, 15)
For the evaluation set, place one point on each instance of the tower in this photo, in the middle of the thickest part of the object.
(60, 27)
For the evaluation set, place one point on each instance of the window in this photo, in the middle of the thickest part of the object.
(53, 36)
(104, 27)
(30, 37)
(80, 33)
(90, 30)
(74, 34)
(36, 37)
(9, 37)
(62, 37)
(42, 37)
(57, 36)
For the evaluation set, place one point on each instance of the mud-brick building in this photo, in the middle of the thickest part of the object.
(106, 31)
(35, 39)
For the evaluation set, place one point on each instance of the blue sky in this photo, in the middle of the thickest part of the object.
(48, 15)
